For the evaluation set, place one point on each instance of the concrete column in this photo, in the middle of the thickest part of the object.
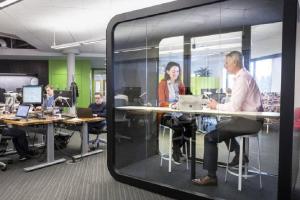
(71, 71)
(71, 68)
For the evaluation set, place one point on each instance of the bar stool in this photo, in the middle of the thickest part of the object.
(168, 156)
(244, 138)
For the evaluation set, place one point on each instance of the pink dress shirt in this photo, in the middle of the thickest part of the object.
(245, 94)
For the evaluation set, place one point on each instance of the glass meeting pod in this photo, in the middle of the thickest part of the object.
(197, 35)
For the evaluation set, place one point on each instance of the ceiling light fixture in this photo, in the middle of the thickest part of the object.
(5, 3)
(65, 46)
(75, 44)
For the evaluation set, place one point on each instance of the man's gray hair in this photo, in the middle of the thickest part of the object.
(237, 56)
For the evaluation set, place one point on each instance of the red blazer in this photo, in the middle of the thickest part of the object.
(163, 92)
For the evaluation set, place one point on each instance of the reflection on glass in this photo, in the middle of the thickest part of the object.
(296, 134)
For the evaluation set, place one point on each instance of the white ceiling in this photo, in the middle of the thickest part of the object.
(35, 21)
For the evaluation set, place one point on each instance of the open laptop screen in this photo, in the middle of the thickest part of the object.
(22, 111)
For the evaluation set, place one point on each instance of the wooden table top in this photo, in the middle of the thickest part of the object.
(6, 118)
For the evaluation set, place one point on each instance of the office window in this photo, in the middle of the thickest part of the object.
(170, 49)
(267, 73)
(207, 61)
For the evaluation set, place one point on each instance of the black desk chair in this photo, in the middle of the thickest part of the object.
(3, 146)
(121, 121)
(96, 142)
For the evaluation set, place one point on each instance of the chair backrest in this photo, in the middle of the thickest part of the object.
(120, 100)
(297, 114)
(2, 97)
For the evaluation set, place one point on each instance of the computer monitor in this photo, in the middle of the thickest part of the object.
(32, 94)
(132, 93)
(63, 98)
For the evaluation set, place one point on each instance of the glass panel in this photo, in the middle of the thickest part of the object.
(170, 49)
(156, 58)
(130, 82)
(207, 55)
(100, 81)
(296, 135)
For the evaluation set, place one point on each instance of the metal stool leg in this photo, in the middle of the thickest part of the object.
(163, 138)
(186, 155)
(226, 172)
(259, 169)
(240, 164)
(170, 148)
(246, 153)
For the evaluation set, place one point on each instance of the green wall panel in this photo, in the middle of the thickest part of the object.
(58, 78)
(198, 83)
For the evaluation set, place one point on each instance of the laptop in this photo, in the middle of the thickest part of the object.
(84, 112)
(191, 102)
(22, 112)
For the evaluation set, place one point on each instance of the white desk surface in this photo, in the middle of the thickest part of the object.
(206, 111)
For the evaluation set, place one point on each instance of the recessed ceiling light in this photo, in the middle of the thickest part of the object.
(5, 3)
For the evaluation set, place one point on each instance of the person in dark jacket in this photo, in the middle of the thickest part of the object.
(20, 142)
(99, 110)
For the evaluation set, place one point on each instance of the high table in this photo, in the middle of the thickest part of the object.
(206, 111)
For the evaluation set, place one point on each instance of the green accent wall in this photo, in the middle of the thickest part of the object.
(58, 78)
(198, 83)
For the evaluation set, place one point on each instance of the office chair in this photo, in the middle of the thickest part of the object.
(2, 97)
(297, 119)
(96, 142)
(3, 146)
(120, 117)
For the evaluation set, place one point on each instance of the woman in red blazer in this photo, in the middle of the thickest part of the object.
(169, 89)
(172, 78)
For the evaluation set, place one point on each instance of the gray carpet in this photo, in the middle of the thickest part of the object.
(88, 179)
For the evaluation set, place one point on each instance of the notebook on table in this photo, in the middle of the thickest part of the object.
(190, 102)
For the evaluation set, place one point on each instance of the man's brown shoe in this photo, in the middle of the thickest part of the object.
(206, 181)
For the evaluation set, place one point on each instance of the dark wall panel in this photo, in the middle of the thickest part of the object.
(33, 67)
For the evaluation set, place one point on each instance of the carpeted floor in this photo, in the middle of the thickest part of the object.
(88, 179)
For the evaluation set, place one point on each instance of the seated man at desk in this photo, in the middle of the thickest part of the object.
(98, 110)
(48, 101)
(245, 97)
(19, 140)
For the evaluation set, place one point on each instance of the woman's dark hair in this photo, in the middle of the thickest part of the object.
(168, 67)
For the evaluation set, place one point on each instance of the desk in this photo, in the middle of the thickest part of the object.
(50, 138)
(254, 115)
(50, 135)
(84, 134)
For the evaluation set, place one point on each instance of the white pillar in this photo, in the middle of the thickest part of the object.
(71, 70)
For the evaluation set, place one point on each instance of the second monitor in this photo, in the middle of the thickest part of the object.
(63, 98)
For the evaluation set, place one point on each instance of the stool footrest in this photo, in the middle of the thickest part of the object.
(253, 173)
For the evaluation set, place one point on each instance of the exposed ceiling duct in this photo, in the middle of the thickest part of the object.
(3, 43)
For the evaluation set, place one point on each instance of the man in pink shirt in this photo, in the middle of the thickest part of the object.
(245, 97)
